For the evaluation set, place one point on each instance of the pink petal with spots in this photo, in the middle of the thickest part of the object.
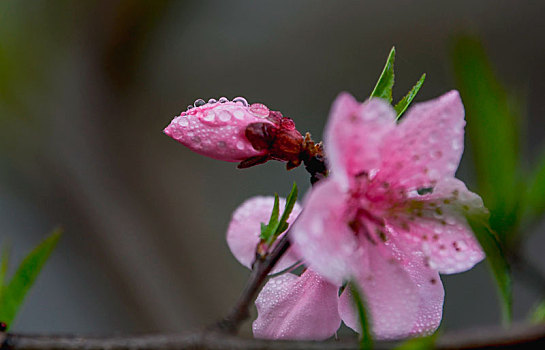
(391, 295)
(301, 308)
(217, 129)
(321, 235)
(245, 227)
(427, 145)
(353, 135)
(442, 232)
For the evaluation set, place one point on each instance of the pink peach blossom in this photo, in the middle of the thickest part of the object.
(390, 218)
(287, 302)
(391, 214)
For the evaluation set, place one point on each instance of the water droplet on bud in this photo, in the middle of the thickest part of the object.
(223, 100)
(212, 100)
(199, 102)
(259, 110)
(224, 116)
(241, 100)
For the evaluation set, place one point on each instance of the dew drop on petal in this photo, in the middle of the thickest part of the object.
(199, 102)
(223, 100)
(189, 107)
(241, 100)
(239, 114)
(240, 145)
(259, 110)
(209, 116)
(224, 116)
(183, 122)
(212, 100)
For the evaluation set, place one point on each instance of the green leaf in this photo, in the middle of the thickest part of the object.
(366, 340)
(496, 260)
(402, 105)
(538, 315)
(25, 276)
(385, 83)
(288, 208)
(493, 130)
(534, 199)
(422, 343)
(275, 227)
(267, 231)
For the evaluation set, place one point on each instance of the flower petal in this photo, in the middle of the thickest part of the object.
(442, 232)
(426, 146)
(302, 308)
(321, 235)
(353, 135)
(245, 227)
(391, 295)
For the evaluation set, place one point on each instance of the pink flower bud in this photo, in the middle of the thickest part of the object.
(235, 131)
(217, 129)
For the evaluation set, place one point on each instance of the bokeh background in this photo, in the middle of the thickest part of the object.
(86, 88)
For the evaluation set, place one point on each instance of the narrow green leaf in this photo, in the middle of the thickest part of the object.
(385, 83)
(267, 231)
(366, 340)
(493, 129)
(288, 208)
(402, 105)
(534, 200)
(24, 277)
(538, 315)
(422, 343)
(496, 260)
(276, 210)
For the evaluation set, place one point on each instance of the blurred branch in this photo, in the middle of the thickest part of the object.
(519, 335)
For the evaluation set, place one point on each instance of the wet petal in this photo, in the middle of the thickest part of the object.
(427, 145)
(441, 231)
(321, 235)
(391, 295)
(302, 308)
(353, 135)
(245, 227)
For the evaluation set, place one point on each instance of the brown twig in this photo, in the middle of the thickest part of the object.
(532, 336)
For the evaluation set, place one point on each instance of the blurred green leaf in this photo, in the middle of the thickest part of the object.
(496, 260)
(366, 340)
(422, 343)
(538, 315)
(4, 261)
(385, 83)
(25, 276)
(402, 105)
(493, 131)
(534, 201)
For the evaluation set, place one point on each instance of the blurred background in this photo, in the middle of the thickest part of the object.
(86, 88)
